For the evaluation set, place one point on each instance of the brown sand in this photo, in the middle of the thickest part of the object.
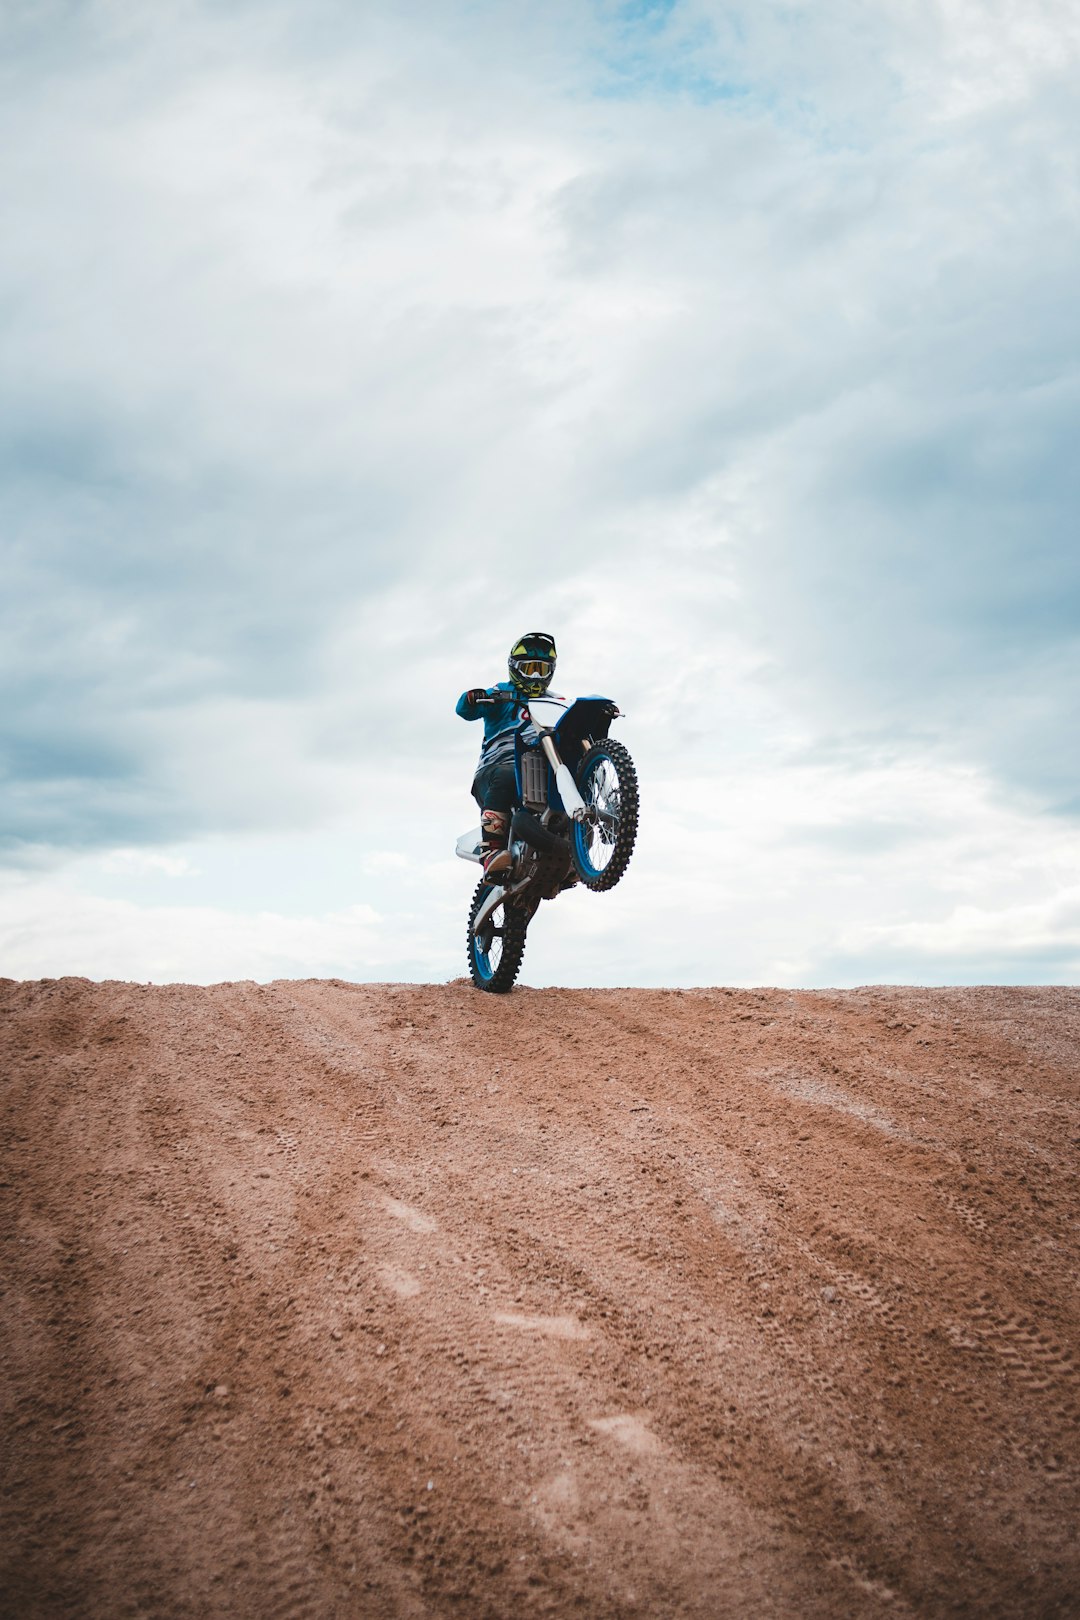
(335, 1300)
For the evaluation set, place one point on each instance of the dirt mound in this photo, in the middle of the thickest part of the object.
(340, 1300)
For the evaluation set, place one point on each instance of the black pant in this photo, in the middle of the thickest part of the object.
(494, 786)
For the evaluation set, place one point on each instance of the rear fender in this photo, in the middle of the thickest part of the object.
(470, 846)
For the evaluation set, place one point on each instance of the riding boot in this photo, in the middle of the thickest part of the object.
(498, 863)
(495, 831)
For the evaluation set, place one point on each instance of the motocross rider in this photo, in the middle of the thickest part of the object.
(531, 666)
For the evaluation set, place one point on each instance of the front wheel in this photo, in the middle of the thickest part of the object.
(602, 844)
(495, 952)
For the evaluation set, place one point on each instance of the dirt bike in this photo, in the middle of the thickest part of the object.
(575, 821)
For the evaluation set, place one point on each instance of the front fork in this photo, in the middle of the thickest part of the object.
(573, 803)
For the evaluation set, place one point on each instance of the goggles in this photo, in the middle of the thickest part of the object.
(541, 668)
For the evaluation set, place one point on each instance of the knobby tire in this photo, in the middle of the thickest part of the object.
(606, 877)
(514, 923)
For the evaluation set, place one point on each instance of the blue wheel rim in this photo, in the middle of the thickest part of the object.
(587, 837)
(484, 965)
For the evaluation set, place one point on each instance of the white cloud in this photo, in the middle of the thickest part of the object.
(787, 873)
(738, 347)
(1047, 930)
(138, 862)
(50, 929)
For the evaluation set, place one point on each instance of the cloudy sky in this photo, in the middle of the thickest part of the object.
(736, 344)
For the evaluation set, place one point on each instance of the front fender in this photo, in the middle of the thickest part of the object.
(586, 717)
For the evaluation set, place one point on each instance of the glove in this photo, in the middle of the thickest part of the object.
(475, 693)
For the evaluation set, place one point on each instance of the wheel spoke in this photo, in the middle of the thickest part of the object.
(495, 949)
(602, 797)
(603, 842)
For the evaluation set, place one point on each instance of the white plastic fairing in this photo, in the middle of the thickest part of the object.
(547, 711)
(469, 844)
(573, 803)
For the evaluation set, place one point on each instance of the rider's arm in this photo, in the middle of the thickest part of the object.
(471, 710)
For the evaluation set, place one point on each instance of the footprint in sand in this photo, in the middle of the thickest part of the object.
(556, 1503)
(400, 1282)
(552, 1327)
(630, 1431)
(413, 1218)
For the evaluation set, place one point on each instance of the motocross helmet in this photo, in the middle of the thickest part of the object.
(532, 663)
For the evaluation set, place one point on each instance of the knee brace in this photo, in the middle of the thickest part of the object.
(494, 828)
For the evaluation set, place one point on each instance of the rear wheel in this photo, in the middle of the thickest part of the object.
(603, 843)
(495, 952)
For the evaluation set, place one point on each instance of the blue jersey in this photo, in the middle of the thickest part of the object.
(501, 720)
